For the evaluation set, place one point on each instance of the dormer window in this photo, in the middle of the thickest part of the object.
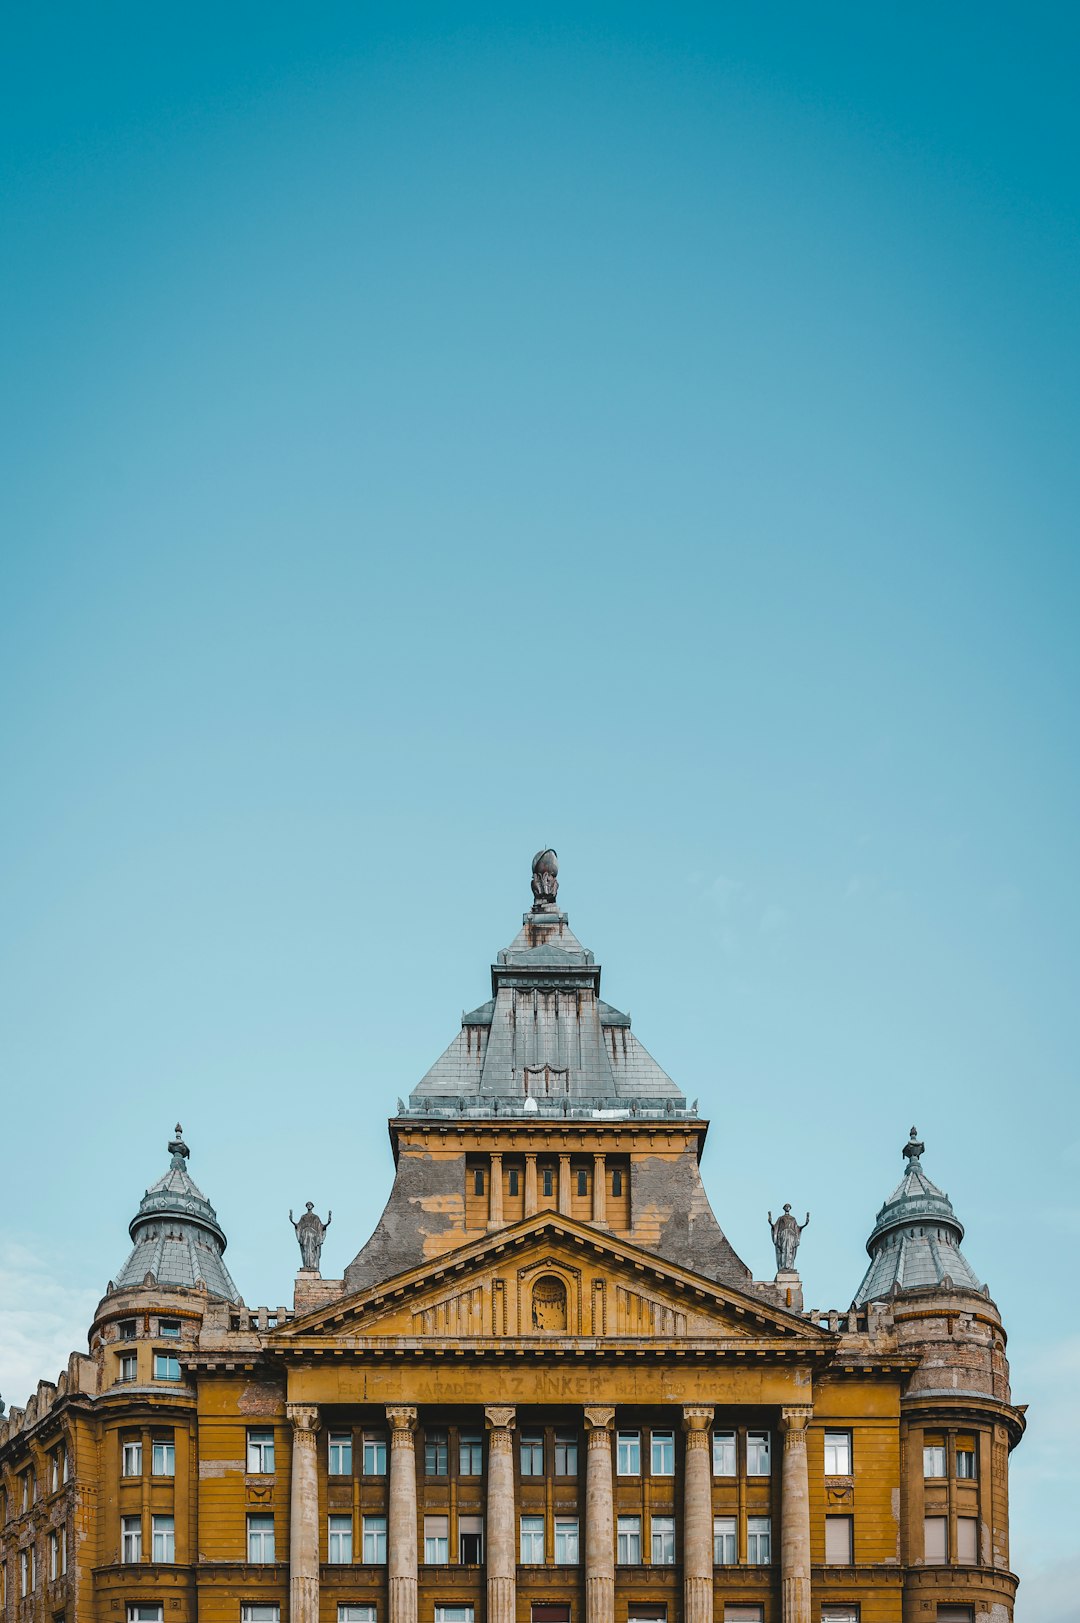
(170, 1328)
(127, 1329)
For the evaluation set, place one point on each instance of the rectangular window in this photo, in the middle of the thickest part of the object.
(260, 1453)
(965, 1457)
(127, 1330)
(166, 1367)
(63, 1551)
(616, 1182)
(374, 1453)
(956, 1614)
(628, 1453)
(532, 1453)
(131, 1459)
(266, 1612)
(339, 1458)
(162, 1457)
(470, 1540)
(582, 1181)
(838, 1453)
(629, 1541)
(548, 1612)
(131, 1539)
(637, 1613)
(566, 1456)
(839, 1614)
(933, 1454)
(743, 1614)
(838, 1541)
(260, 1538)
(374, 1529)
(27, 1489)
(145, 1614)
(54, 1557)
(723, 1453)
(24, 1572)
(935, 1540)
(758, 1541)
(453, 1614)
(470, 1454)
(436, 1540)
(163, 1538)
(129, 1367)
(566, 1541)
(436, 1453)
(548, 1177)
(54, 1470)
(758, 1453)
(478, 1181)
(663, 1541)
(663, 1453)
(339, 1540)
(170, 1328)
(532, 1541)
(725, 1541)
(356, 1614)
(967, 1539)
(512, 1181)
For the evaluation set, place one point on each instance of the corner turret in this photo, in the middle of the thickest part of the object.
(177, 1239)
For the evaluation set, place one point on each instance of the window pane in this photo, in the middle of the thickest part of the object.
(629, 1453)
(936, 1539)
(838, 1540)
(374, 1453)
(629, 1541)
(453, 1614)
(663, 1541)
(758, 1541)
(436, 1453)
(566, 1454)
(725, 1549)
(566, 1541)
(260, 1538)
(436, 1540)
(967, 1538)
(663, 1453)
(164, 1538)
(742, 1614)
(267, 1612)
(965, 1458)
(339, 1461)
(145, 1614)
(356, 1614)
(132, 1459)
(260, 1452)
(166, 1367)
(532, 1540)
(374, 1531)
(339, 1539)
(532, 1454)
(163, 1457)
(757, 1453)
(933, 1454)
(723, 1453)
(837, 1453)
(470, 1454)
(839, 1614)
(169, 1327)
(470, 1540)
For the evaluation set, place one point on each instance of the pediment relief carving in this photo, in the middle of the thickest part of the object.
(551, 1277)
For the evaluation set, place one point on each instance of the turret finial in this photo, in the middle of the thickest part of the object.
(914, 1147)
(178, 1149)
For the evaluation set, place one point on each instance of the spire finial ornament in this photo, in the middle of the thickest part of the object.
(545, 880)
(178, 1149)
(913, 1148)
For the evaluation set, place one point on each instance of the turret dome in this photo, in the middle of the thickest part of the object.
(176, 1234)
(915, 1243)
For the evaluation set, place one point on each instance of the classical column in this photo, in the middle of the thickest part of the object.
(304, 1515)
(495, 1192)
(599, 1189)
(501, 1526)
(697, 1517)
(401, 1550)
(564, 1185)
(795, 1518)
(530, 1185)
(599, 1519)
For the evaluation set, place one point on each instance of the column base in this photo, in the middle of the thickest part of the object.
(402, 1600)
(501, 1600)
(304, 1600)
(697, 1600)
(795, 1600)
(599, 1600)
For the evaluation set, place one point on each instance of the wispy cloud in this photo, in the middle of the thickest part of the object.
(41, 1321)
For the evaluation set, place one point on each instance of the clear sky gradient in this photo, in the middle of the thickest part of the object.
(430, 433)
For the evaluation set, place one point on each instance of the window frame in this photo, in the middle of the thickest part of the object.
(567, 1536)
(762, 1535)
(339, 1539)
(661, 1442)
(171, 1363)
(840, 1443)
(530, 1441)
(758, 1446)
(131, 1455)
(166, 1447)
(628, 1450)
(662, 1536)
(724, 1528)
(373, 1446)
(260, 1611)
(259, 1440)
(127, 1367)
(437, 1540)
(339, 1449)
(628, 1540)
(535, 1530)
(167, 1537)
(437, 1449)
(470, 1453)
(567, 1443)
(373, 1534)
(130, 1541)
(257, 1534)
(836, 1525)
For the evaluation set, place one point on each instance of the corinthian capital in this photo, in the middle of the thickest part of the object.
(304, 1417)
(402, 1419)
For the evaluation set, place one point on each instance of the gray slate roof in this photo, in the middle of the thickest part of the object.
(176, 1235)
(915, 1244)
(545, 1036)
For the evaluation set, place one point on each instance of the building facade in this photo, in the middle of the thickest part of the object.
(546, 1390)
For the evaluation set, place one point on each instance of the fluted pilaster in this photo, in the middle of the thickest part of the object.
(304, 1515)
(697, 1516)
(401, 1544)
(795, 1518)
(501, 1518)
(599, 1519)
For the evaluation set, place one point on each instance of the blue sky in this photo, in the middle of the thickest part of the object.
(430, 433)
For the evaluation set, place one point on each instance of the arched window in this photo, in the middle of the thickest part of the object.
(549, 1303)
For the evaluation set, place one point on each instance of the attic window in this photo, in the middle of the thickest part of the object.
(582, 1181)
(512, 1181)
(478, 1181)
(616, 1181)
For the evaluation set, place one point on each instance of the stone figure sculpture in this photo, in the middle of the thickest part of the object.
(311, 1232)
(786, 1233)
(545, 880)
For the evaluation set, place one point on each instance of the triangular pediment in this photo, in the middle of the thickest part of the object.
(550, 1276)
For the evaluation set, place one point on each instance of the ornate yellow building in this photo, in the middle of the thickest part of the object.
(545, 1391)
